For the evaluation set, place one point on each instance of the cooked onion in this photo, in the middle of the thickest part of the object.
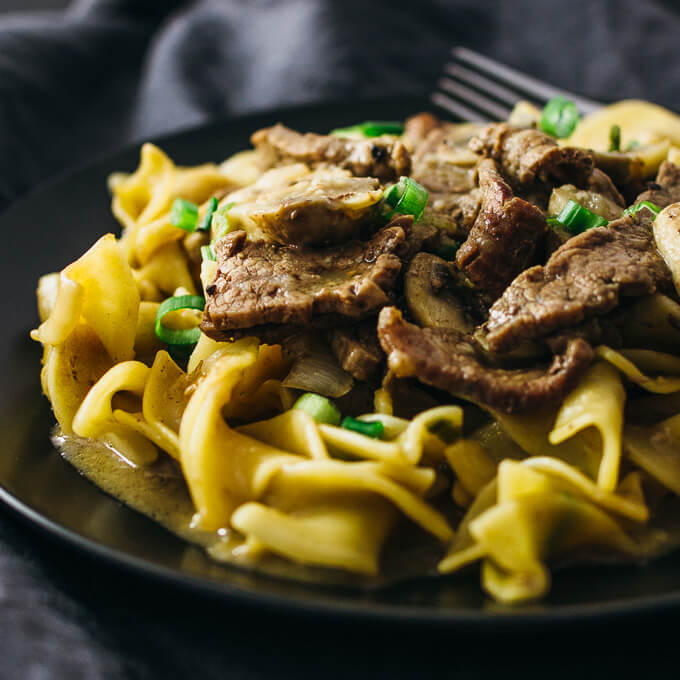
(319, 373)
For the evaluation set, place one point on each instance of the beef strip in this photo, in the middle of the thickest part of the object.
(265, 289)
(528, 156)
(449, 360)
(666, 189)
(445, 166)
(381, 157)
(583, 278)
(503, 239)
(358, 350)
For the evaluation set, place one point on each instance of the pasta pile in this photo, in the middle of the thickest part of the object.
(593, 478)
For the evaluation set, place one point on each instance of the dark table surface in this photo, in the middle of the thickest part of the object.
(108, 72)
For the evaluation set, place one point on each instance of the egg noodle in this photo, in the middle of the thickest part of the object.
(596, 477)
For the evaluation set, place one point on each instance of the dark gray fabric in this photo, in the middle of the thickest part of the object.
(107, 72)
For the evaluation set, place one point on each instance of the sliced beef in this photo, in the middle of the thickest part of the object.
(504, 237)
(269, 290)
(666, 189)
(381, 157)
(445, 166)
(583, 278)
(528, 156)
(293, 205)
(451, 361)
(358, 350)
(454, 213)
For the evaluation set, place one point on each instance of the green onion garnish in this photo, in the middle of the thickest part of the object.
(206, 220)
(576, 218)
(323, 410)
(220, 221)
(559, 117)
(208, 253)
(406, 197)
(615, 138)
(652, 207)
(184, 214)
(371, 128)
(182, 336)
(373, 429)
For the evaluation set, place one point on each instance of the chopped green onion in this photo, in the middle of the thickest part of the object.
(373, 429)
(553, 222)
(323, 410)
(615, 138)
(371, 128)
(406, 197)
(652, 207)
(183, 214)
(576, 218)
(182, 336)
(559, 117)
(206, 220)
(220, 221)
(208, 253)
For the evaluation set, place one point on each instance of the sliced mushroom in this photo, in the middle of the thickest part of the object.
(430, 296)
(297, 206)
(667, 236)
(628, 166)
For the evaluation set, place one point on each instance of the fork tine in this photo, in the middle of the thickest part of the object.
(533, 86)
(469, 96)
(458, 108)
(477, 80)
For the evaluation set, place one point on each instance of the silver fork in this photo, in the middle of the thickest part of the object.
(477, 88)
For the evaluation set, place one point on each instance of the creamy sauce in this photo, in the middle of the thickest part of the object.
(160, 492)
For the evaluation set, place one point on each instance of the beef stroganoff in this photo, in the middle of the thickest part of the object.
(391, 350)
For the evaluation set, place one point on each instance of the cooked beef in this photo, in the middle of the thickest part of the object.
(449, 360)
(666, 189)
(293, 205)
(528, 156)
(583, 278)
(417, 128)
(358, 350)
(503, 238)
(265, 289)
(381, 157)
(445, 166)
(453, 213)
(431, 296)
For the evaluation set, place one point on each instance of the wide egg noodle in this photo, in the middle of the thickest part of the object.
(70, 369)
(95, 418)
(414, 442)
(629, 362)
(537, 510)
(164, 273)
(597, 402)
(142, 201)
(100, 289)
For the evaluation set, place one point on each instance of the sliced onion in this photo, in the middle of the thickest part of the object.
(319, 373)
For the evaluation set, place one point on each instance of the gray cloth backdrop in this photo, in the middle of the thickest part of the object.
(108, 72)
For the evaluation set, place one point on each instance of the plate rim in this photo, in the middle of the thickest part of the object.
(396, 614)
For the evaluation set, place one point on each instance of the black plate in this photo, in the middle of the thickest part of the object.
(52, 226)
